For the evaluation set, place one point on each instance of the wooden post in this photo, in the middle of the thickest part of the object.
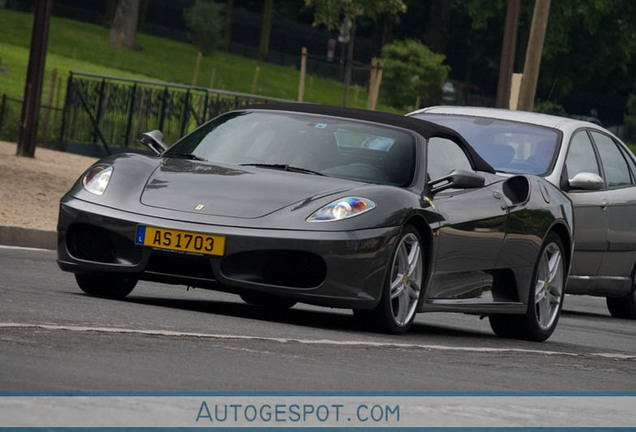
(120, 43)
(255, 81)
(506, 64)
(303, 71)
(49, 101)
(195, 76)
(376, 86)
(356, 93)
(515, 87)
(212, 78)
(533, 55)
(372, 77)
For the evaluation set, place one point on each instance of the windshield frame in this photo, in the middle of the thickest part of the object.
(437, 117)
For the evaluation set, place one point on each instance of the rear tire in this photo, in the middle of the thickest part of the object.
(269, 301)
(402, 289)
(623, 307)
(545, 298)
(106, 286)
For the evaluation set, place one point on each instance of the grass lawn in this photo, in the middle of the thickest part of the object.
(79, 46)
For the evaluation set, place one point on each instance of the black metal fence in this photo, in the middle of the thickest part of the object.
(103, 114)
(50, 120)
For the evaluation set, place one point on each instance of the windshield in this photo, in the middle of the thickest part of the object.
(303, 143)
(507, 146)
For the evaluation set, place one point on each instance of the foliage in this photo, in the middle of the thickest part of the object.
(410, 70)
(332, 12)
(80, 46)
(549, 107)
(204, 19)
(630, 117)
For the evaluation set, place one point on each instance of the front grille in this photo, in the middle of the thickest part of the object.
(294, 269)
(90, 243)
(180, 264)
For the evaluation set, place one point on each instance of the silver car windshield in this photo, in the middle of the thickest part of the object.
(330, 146)
(508, 146)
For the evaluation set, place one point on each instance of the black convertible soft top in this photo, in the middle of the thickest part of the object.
(422, 127)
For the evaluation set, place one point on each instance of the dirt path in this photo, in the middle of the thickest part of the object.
(31, 188)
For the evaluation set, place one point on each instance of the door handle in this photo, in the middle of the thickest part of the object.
(604, 205)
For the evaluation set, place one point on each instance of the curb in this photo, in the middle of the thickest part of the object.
(27, 237)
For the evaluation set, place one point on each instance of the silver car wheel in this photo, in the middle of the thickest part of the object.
(406, 279)
(548, 290)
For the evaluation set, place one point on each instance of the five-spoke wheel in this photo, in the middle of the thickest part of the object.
(545, 297)
(403, 288)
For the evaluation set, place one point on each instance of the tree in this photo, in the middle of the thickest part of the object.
(411, 70)
(204, 19)
(332, 13)
(266, 30)
(125, 23)
(229, 13)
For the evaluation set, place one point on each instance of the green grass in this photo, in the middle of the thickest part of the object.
(80, 46)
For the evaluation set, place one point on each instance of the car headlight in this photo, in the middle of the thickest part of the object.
(96, 179)
(343, 208)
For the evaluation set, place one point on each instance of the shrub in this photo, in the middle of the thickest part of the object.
(411, 69)
(205, 21)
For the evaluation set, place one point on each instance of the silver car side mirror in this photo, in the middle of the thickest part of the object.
(586, 181)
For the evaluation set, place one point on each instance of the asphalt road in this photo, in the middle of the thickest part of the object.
(164, 338)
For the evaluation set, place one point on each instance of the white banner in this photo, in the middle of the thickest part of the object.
(284, 411)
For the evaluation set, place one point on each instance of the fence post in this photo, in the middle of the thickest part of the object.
(98, 116)
(67, 107)
(2, 108)
(184, 115)
(163, 108)
(49, 102)
(372, 78)
(303, 71)
(131, 110)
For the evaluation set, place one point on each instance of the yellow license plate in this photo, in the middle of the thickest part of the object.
(184, 241)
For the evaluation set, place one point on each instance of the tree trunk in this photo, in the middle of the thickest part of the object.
(125, 22)
(229, 12)
(263, 52)
(381, 33)
(436, 34)
(349, 64)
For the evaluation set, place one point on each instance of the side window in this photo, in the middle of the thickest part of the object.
(581, 156)
(630, 161)
(614, 163)
(445, 156)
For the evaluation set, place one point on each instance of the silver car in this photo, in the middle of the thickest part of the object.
(591, 165)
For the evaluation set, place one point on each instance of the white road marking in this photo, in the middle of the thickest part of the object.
(352, 343)
(25, 248)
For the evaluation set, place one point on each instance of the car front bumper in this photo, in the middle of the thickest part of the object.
(330, 268)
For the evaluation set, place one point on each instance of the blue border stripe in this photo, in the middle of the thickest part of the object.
(321, 394)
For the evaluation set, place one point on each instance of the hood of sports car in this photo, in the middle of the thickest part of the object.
(233, 191)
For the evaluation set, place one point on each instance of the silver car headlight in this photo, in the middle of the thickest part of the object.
(96, 179)
(342, 208)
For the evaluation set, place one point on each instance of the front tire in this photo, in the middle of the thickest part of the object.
(545, 298)
(402, 289)
(106, 286)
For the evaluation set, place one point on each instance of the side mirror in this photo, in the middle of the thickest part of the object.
(586, 181)
(153, 140)
(457, 179)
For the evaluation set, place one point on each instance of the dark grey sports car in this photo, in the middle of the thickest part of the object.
(286, 203)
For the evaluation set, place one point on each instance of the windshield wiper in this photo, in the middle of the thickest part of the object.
(283, 167)
(185, 156)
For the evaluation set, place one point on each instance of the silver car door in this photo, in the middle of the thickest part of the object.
(618, 263)
(590, 211)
